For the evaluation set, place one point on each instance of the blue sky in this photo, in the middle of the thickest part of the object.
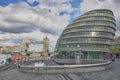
(5, 3)
(38, 18)
(74, 4)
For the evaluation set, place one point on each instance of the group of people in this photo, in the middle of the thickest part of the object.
(112, 57)
(6, 61)
(13, 60)
(17, 62)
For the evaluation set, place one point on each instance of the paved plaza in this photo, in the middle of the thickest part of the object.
(111, 74)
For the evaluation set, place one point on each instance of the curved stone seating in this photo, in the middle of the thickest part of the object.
(82, 61)
(67, 68)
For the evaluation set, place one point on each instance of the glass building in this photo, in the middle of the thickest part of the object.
(92, 33)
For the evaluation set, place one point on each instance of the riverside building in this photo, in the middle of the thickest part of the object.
(92, 34)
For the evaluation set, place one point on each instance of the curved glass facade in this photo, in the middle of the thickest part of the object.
(92, 33)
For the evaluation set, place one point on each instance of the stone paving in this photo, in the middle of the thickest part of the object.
(14, 74)
(112, 74)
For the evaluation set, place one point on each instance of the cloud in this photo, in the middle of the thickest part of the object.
(20, 20)
(9, 39)
(113, 5)
(22, 15)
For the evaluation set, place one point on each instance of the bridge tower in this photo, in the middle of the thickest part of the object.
(25, 44)
(45, 46)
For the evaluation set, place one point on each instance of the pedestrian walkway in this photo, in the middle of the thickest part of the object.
(111, 74)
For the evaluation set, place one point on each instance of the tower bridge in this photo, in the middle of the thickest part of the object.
(25, 46)
(26, 43)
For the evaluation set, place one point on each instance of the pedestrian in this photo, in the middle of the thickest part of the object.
(113, 58)
(19, 66)
(9, 60)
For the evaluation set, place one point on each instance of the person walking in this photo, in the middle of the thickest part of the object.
(19, 66)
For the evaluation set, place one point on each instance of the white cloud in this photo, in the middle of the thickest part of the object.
(113, 5)
(36, 35)
(21, 14)
(20, 20)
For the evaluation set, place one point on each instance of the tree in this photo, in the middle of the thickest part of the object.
(116, 50)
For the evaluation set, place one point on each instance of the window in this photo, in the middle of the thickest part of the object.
(78, 45)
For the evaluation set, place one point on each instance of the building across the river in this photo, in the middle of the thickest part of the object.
(92, 34)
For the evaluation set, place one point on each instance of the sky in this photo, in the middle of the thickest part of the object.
(36, 19)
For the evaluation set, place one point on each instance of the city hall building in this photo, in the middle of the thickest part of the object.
(92, 34)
